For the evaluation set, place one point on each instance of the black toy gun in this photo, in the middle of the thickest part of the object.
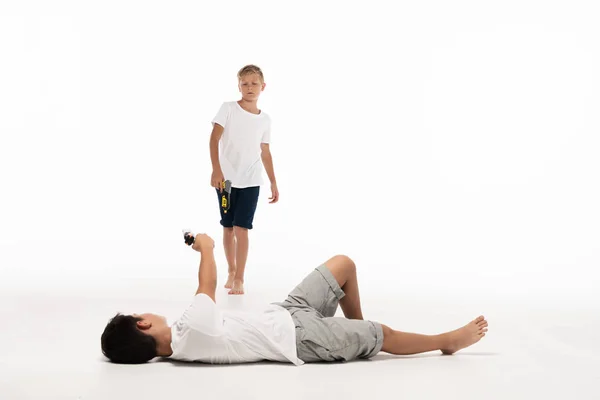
(189, 237)
(225, 195)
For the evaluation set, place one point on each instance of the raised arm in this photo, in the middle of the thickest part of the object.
(207, 273)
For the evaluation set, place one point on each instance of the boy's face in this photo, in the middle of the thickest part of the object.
(251, 86)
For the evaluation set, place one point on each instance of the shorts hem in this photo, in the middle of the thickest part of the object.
(249, 227)
(379, 339)
(331, 281)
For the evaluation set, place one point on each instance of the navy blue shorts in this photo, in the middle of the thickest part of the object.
(242, 206)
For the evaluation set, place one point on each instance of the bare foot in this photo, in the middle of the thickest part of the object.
(238, 287)
(229, 283)
(465, 336)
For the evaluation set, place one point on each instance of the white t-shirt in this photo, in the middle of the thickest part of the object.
(240, 153)
(207, 334)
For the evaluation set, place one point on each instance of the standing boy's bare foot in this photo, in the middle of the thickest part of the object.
(465, 336)
(229, 283)
(238, 287)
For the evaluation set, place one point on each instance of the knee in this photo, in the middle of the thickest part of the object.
(238, 231)
(346, 262)
(228, 233)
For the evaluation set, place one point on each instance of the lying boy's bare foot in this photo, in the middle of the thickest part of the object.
(465, 336)
(237, 287)
(229, 283)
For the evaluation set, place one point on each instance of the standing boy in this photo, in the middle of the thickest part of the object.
(243, 132)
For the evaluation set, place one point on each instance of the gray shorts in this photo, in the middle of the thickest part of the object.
(319, 335)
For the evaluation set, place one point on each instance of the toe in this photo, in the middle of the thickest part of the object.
(236, 290)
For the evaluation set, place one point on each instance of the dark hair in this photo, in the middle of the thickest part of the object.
(123, 343)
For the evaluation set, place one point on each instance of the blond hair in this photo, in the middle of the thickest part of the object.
(250, 69)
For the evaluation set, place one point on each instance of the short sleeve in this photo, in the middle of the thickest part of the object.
(203, 316)
(222, 115)
(266, 137)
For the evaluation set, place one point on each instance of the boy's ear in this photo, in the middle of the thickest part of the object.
(143, 325)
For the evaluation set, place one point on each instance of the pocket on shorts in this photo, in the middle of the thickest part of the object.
(311, 349)
(314, 339)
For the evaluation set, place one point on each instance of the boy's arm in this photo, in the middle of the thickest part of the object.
(217, 174)
(207, 273)
(267, 160)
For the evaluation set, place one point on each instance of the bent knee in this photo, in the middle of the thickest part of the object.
(343, 261)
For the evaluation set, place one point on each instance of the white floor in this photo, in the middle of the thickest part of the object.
(51, 351)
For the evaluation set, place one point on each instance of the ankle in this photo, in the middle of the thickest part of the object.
(443, 341)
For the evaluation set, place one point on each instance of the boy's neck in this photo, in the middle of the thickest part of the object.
(250, 106)
(163, 340)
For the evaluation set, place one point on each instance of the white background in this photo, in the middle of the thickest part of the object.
(442, 143)
(450, 148)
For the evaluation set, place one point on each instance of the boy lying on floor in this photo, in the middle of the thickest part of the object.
(301, 329)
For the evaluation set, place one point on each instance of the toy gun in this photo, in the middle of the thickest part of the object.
(189, 237)
(225, 195)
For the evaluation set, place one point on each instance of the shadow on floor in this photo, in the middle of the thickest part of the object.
(379, 357)
(383, 357)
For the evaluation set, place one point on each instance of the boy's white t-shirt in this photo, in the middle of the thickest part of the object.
(240, 153)
(204, 333)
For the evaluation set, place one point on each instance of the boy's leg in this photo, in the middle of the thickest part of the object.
(331, 284)
(342, 339)
(402, 343)
(344, 271)
(241, 255)
(228, 234)
(229, 245)
(319, 293)
(246, 202)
